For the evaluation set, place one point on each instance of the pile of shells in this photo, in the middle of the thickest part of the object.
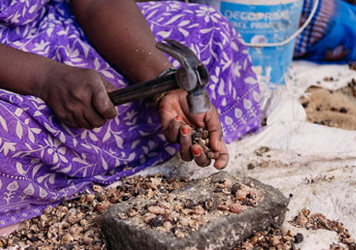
(272, 239)
(177, 214)
(71, 225)
(275, 239)
(316, 221)
(201, 137)
(74, 224)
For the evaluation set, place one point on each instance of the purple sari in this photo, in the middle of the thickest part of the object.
(43, 161)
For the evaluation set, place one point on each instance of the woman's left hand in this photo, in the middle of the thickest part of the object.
(177, 121)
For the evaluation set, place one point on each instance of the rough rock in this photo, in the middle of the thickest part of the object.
(222, 233)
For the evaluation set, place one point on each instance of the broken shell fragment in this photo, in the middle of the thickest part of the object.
(204, 134)
(84, 223)
(48, 209)
(188, 203)
(149, 216)
(102, 206)
(61, 212)
(198, 210)
(123, 216)
(132, 212)
(179, 234)
(3, 242)
(98, 189)
(88, 237)
(167, 226)
(156, 210)
(66, 238)
(209, 204)
(223, 207)
(235, 208)
(213, 155)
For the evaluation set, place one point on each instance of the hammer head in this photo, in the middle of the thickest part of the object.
(192, 76)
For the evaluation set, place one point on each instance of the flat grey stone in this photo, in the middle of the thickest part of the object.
(222, 233)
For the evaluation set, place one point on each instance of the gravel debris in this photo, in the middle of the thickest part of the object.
(179, 215)
(74, 223)
(276, 239)
(272, 239)
(316, 221)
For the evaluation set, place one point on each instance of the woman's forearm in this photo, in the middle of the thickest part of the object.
(118, 30)
(78, 97)
(22, 72)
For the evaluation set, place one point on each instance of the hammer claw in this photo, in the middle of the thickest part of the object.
(192, 76)
(185, 56)
(183, 49)
(170, 50)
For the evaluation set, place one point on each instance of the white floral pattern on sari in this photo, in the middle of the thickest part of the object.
(43, 161)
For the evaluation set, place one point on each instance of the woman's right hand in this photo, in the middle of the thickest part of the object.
(77, 96)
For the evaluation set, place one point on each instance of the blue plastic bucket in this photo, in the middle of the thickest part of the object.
(266, 27)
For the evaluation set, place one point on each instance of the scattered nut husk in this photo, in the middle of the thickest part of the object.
(180, 215)
(74, 225)
(316, 221)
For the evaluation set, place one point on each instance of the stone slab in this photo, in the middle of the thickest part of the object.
(223, 233)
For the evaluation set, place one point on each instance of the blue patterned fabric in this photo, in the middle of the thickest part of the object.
(331, 35)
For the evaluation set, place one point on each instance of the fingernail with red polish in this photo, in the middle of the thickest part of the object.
(185, 131)
(196, 151)
(178, 118)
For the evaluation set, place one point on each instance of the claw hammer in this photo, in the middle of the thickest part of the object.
(192, 76)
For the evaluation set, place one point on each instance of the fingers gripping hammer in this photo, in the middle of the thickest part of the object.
(192, 76)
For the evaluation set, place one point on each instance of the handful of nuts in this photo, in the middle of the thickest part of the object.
(201, 137)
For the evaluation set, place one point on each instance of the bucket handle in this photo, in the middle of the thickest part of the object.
(300, 30)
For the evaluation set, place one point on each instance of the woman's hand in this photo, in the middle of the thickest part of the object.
(77, 96)
(177, 122)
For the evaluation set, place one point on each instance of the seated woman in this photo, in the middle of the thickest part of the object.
(60, 133)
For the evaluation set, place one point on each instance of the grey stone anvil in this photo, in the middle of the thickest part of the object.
(223, 233)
